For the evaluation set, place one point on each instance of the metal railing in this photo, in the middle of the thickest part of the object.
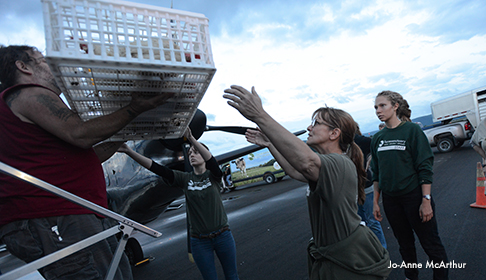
(126, 226)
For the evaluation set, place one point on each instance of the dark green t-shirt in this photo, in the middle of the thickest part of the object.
(205, 208)
(402, 159)
(332, 200)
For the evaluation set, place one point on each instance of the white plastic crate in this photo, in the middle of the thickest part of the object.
(102, 51)
(126, 32)
(100, 90)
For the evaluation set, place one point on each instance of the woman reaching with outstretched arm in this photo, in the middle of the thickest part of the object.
(341, 248)
(207, 217)
(255, 136)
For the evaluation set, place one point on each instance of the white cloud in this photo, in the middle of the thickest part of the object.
(340, 53)
(30, 35)
(320, 13)
(295, 78)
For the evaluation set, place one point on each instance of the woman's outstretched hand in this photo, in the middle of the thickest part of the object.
(247, 103)
(255, 136)
(188, 133)
(124, 148)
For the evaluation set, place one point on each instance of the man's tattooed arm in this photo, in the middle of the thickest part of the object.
(11, 96)
(61, 112)
(106, 149)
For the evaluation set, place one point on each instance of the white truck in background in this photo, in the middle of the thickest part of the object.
(459, 115)
(471, 104)
(446, 137)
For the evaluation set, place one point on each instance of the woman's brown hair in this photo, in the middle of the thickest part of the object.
(403, 112)
(338, 118)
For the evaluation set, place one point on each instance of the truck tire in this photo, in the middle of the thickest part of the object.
(269, 178)
(445, 145)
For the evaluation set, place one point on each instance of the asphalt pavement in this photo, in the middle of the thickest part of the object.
(461, 227)
(269, 223)
(271, 228)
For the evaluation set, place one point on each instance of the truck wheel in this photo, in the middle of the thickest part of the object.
(269, 178)
(445, 145)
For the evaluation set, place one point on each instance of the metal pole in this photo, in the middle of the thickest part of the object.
(53, 257)
(4, 168)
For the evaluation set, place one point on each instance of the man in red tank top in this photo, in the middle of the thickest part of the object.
(41, 136)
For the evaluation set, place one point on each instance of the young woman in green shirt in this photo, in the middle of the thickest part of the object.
(208, 221)
(402, 174)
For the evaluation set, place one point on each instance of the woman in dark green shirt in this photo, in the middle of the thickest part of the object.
(341, 247)
(207, 218)
(402, 171)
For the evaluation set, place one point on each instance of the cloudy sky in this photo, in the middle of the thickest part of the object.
(301, 55)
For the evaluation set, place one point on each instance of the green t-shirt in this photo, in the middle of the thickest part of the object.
(332, 200)
(402, 159)
(204, 206)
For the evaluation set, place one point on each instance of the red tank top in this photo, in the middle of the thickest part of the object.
(33, 150)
